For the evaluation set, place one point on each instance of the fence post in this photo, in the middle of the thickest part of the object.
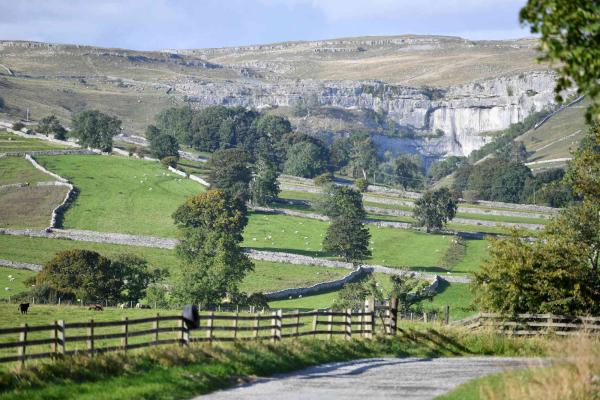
(23, 348)
(90, 341)
(425, 316)
(348, 319)
(125, 329)
(370, 317)
(273, 326)
(315, 323)
(256, 325)
(156, 327)
(235, 324)
(62, 336)
(446, 314)
(209, 324)
(279, 325)
(393, 315)
(329, 325)
(183, 332)
(297, 331)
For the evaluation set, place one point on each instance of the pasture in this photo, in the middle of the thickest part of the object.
(267, 276)
(118, 194)
(29, 207)
(11, 142)
(19, 170)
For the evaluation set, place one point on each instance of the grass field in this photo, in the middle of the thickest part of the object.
(117, 194)
(267, 276)
(29, 207)
(19, 170)
(11, 142)
(15, 286)
(455, 295)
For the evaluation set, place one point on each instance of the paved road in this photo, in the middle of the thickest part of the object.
(371, 379)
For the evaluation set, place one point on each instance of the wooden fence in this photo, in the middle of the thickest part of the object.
(92, 337)
(533, 324)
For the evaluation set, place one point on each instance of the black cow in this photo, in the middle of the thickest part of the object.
(24, 307)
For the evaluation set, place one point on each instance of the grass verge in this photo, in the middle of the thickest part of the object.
(175, 373)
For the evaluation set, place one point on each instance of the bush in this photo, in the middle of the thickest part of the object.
(361, 184)
(170, 161)
(17, 126)
(323, 179)
(2, 103)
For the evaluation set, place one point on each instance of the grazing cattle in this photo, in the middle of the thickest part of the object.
(24, 307)
(95, 307)
(145, 306)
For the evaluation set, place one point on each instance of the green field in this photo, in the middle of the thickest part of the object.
(15, 286)
(29, 207)
(267, 276)
(118, 194)
(11, 142)
(19, 170)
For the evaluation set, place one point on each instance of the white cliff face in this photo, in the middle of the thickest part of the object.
(458, 114)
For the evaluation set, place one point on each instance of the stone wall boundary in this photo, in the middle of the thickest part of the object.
(20, 265)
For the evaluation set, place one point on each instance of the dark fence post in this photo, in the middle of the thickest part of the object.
(446, 314)
(348, 326)
(393, 315)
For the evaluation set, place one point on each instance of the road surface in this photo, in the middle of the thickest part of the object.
(371, 379)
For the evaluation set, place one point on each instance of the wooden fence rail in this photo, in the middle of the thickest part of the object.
(92, 337)
(533, 324)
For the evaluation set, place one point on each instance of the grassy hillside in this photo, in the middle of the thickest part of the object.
(11, 142)
(117, 194)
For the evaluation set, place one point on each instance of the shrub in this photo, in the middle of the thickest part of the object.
(323, 179)
(17, 126)
(2, 103)
(170, 161)
(361, 184)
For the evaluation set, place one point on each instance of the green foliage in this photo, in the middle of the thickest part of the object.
(17, 126)
(152, 131)
(545, 276)
(213, 264)
(445, 167)
(353, 295)
(173, 121)
(272, 126)
(264, 187)
(306, 159)
(82, 274)
(499, 180)
(340, 153)
(163, 145)
(361, 184)
(95, 129)
(169, 161)
(136, 276)
(363, 157)
(347, 238)
(323, 179)
(51, 125)
(342, 201)
(435, 208)
(229, 171)
(570, 36)
(583, 174)
(407, 172)
(409, 290)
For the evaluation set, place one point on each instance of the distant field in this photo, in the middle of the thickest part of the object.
(118, 194)
(558, 136)
(11, 142)
(19, 170)
(29, 207)
(268, 276)
(14, 286)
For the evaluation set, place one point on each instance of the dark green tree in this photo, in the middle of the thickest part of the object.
(408, 172)
(306, 159)
(435, 208)
(136, 275)
(163, 145)
(95, 129)
(229, 171)
(445, 167)
(264, 187)
(341, 201)
(175, 121)
(152, 131)
(213, 263)
(51, 125)
(273, 127)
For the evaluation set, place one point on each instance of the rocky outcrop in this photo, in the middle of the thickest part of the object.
(442, 121)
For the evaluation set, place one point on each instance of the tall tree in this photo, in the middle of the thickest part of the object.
(229, 171)
(346, 236)
(210, 226)
(95, 129)
(435, 208)
(306, 159)
(570, 36)
(175, 121)
(163, 145)
(51, 125)
(408, 172)
(264, 187)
